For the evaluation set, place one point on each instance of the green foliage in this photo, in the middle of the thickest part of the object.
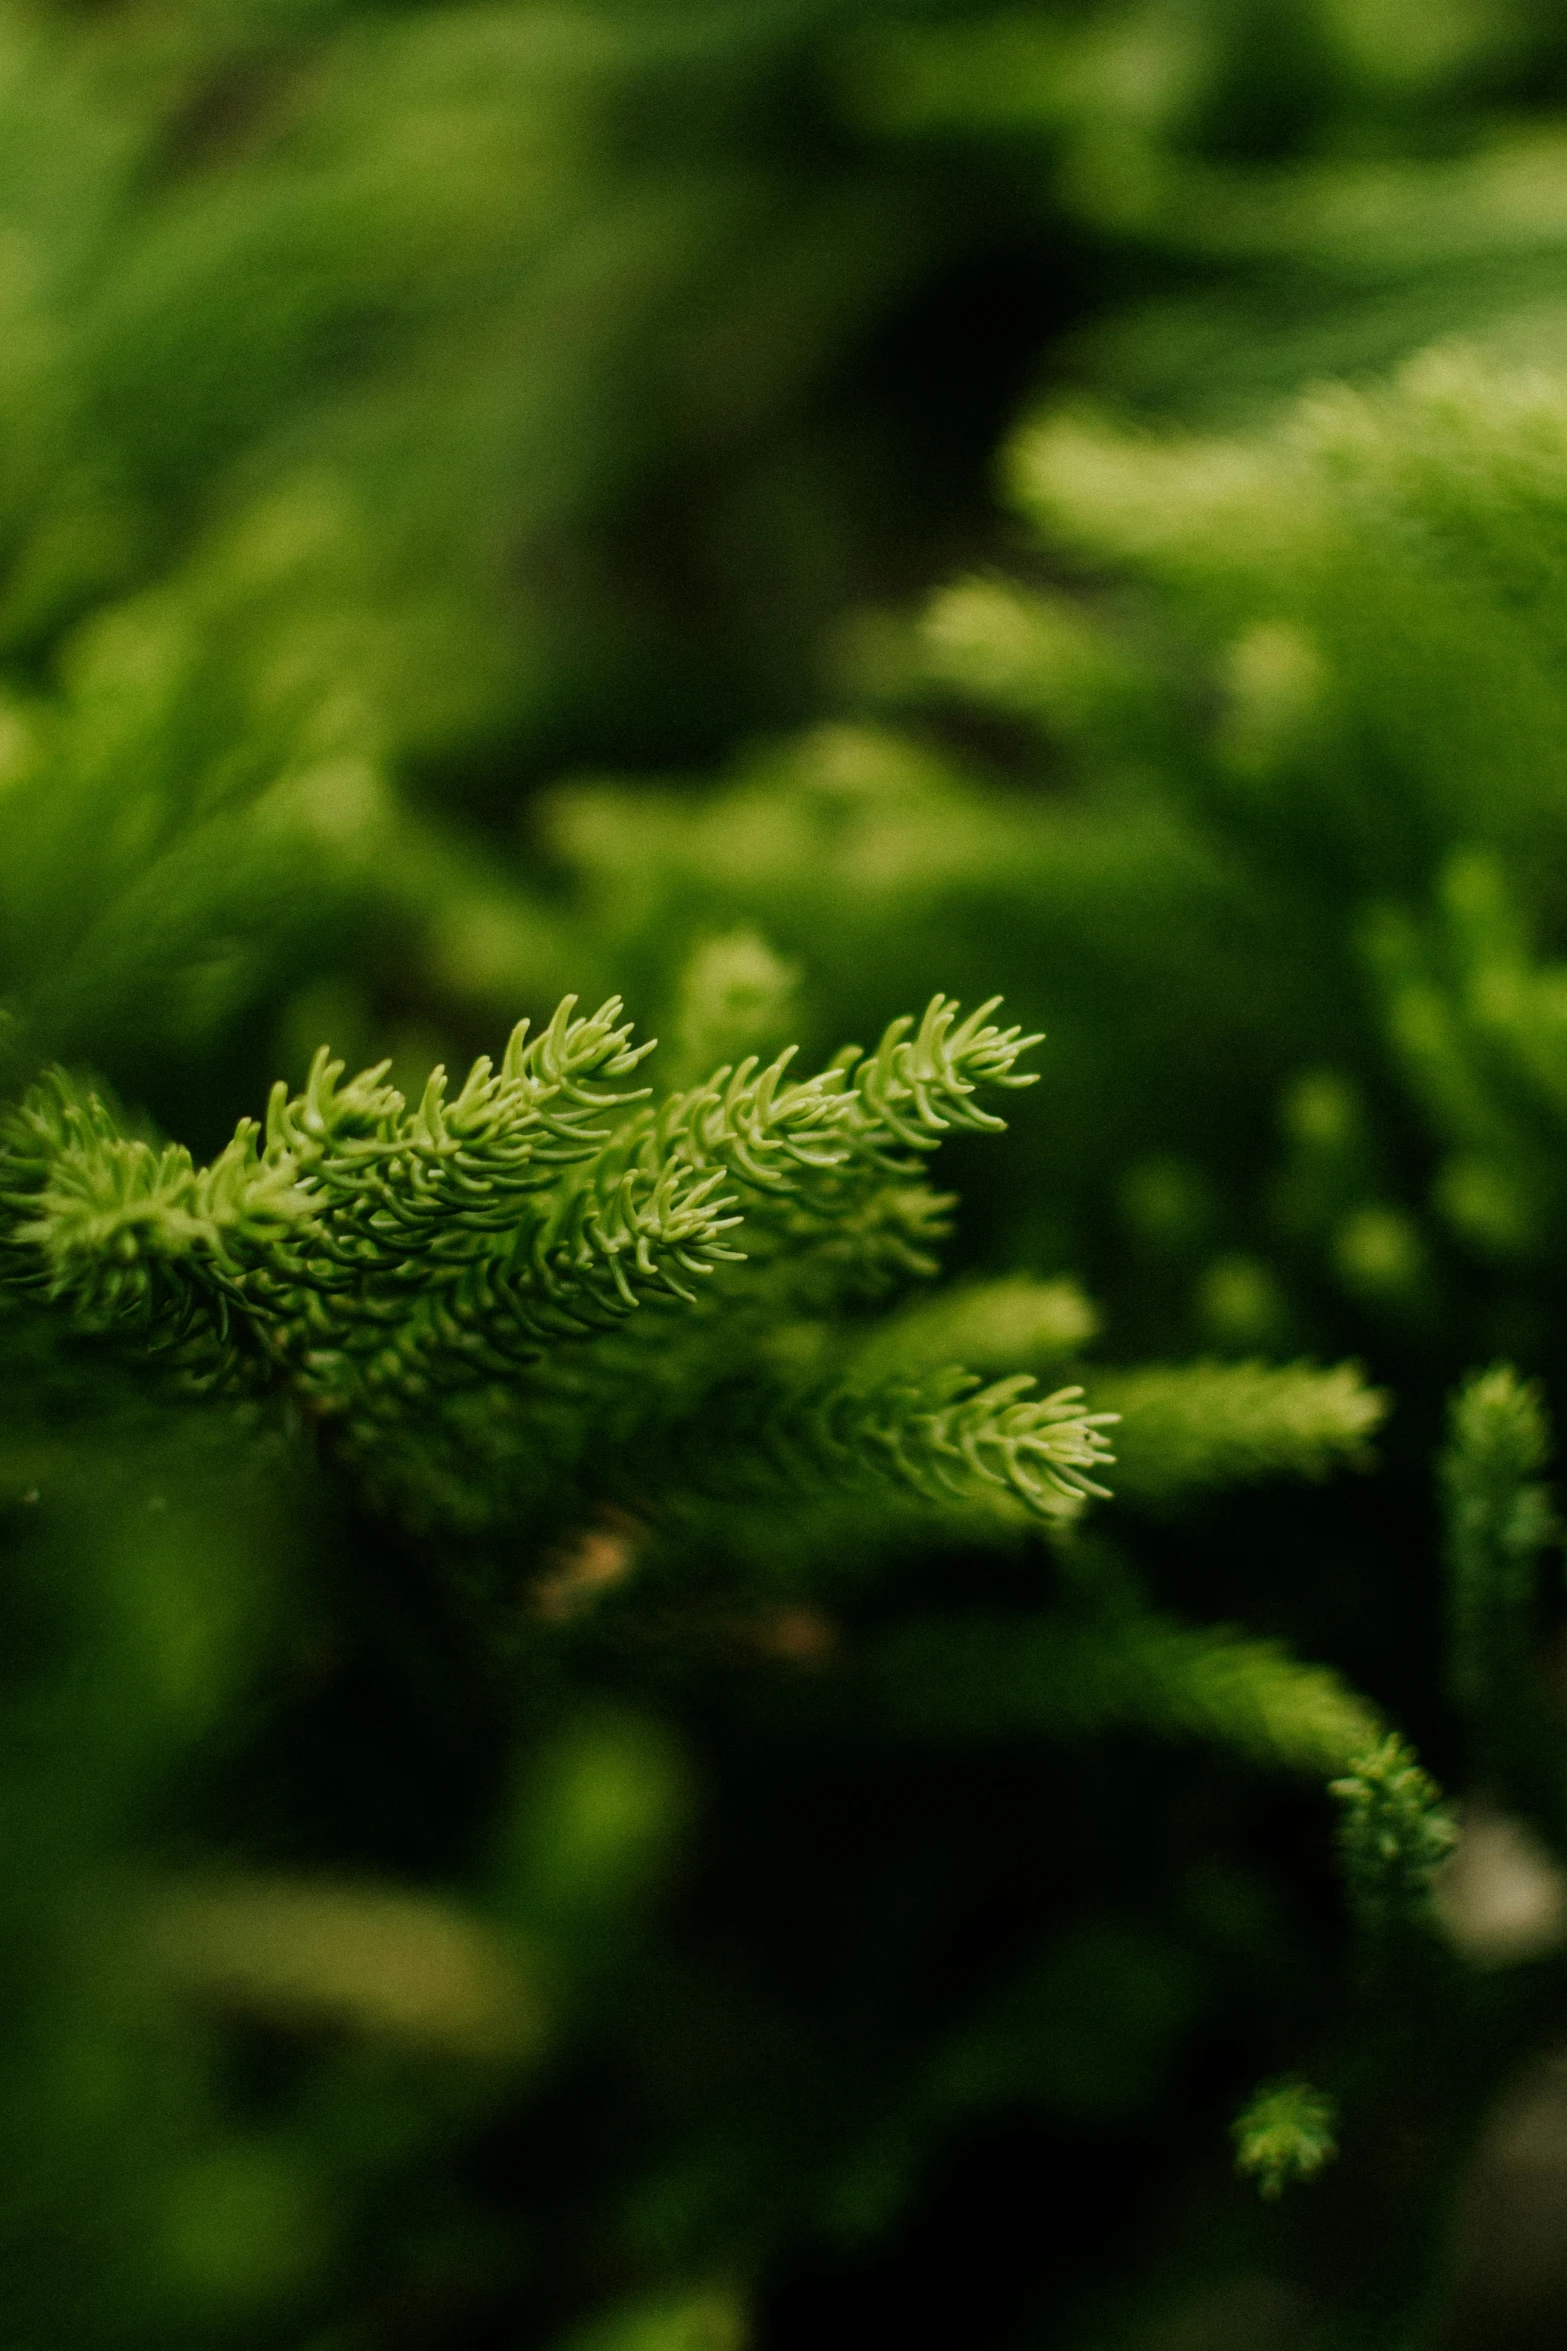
(386, 1264)
(1198, 1426)
(1074, 1677)
(1501, 1525)
(1286, 2133)
(644, 1338)
(1274, 845)
(1393, 1835)
(1319, 666)
(584, 1732)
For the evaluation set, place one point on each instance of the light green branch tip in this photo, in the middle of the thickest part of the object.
(1393, 1835)
(1500, 1436)
(953, 1438)
(1286, 2133)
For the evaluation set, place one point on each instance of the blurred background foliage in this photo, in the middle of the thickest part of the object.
(491, 500)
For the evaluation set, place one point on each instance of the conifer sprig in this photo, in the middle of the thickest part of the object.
(953, 1436)
(127, 1234)
(1192, 1427)
(1067, 1675)
(382, 1259)
(1394, 1832)
(1501, 1525)
(949, 1437)
(863, 1111)
(393, 1181)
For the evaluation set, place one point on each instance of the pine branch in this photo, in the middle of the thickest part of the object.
(946, 1437)
(1015, 1324)
(1393, 1836)
(1501, 1524)
(1474, 1022)
(127, 1235)
(383, 1260)
(450, 1174)
(598, 1425)
(1070, 1676)
(1188, 1428)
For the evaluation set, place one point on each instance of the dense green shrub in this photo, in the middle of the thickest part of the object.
(595, 1752)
